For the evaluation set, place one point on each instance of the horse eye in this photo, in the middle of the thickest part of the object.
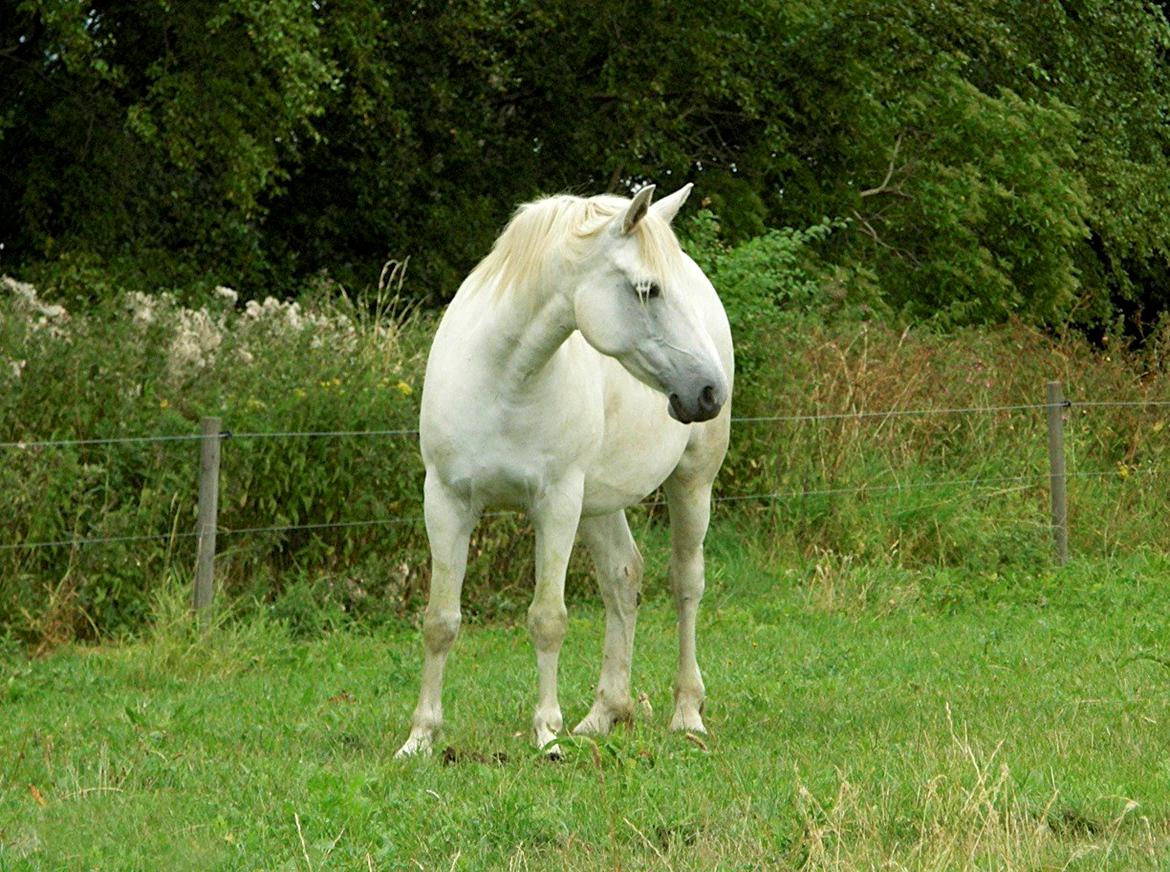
(647, 290)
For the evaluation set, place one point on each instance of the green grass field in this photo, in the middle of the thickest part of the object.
(860, 719)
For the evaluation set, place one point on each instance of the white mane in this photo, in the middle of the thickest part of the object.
(560, 227)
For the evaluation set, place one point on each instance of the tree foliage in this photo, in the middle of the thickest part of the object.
(993, 158)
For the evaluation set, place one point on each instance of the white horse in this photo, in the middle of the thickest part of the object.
(584, 362)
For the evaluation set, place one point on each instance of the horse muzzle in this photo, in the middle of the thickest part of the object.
(696, 405)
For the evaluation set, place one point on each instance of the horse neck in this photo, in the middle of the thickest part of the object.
(526, 331)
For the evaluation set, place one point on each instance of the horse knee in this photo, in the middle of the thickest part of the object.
(439, 628)
(547, 625)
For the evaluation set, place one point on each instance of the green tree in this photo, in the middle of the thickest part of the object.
(449, 114)
(994, 158)
(154, 132)
(999, 157)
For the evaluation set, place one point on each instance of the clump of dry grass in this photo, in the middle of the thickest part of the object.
(940, 488)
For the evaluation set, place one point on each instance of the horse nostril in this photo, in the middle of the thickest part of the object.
(707, 397)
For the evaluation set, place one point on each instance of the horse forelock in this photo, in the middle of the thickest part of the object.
(559, 228)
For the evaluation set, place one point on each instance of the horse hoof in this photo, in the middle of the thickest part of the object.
(688, 722)
(551, 749)
(594, 724)
(416, 746)
(546, 741)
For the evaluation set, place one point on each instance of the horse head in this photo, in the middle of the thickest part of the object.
(635, 301)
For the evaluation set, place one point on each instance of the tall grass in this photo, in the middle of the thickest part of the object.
(907, 491)
(950, 488)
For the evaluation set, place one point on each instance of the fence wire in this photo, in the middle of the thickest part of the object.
(316, 434)
(896, 413)
(109, 440)
(774, 496)
(777, 496)
(743, 419)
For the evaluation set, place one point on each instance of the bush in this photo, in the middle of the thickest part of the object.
(904, 489)
(152, 366)
(148, 365)
(777, 280)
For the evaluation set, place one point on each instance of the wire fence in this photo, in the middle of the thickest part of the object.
(752, 419)
(775, 496)
(1019, 480)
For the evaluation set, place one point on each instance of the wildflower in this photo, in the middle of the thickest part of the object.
(164, 403)
(293, 316)
(52, 317)
(142, 308)
(196, 341)
(226, 293)
(404, 389)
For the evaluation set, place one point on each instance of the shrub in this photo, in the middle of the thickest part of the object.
(147, 365)
(151, 366)
(777, 280)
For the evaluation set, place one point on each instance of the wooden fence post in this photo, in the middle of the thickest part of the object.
(208, 518)
(1057, 483)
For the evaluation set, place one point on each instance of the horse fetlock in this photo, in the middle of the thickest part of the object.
(548, 720)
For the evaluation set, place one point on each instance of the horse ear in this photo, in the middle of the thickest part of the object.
(637, 209)
(668, 207)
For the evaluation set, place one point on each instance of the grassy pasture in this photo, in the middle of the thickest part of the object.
(861, 718)
(898, 677)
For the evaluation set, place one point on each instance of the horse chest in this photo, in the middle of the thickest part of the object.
(513, 454)
(641, 447)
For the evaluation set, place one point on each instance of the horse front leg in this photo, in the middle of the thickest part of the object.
(449, 521)
(690, 513)
(555, 515)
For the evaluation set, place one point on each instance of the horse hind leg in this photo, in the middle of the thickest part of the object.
(449, 523)
(619, 577)
(690, 512)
